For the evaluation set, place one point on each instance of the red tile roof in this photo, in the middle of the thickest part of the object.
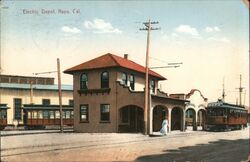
(109, 60)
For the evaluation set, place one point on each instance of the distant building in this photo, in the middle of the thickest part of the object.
(17, 91)
(109, 97)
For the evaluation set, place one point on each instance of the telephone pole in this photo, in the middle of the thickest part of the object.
(59, 90)
(223, 91)
(240, 92)
(148, 28)
(60, 94)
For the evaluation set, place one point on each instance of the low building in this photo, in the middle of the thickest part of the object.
(16, 91)
(195, 111)
(109, 97)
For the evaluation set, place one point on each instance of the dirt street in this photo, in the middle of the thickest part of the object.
(177, 146)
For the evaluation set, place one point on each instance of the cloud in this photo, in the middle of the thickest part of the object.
(173, 36)
(224, 39)
(187, 30)
(209, 29)
(101, 26)
(165, 37)
(73, 30)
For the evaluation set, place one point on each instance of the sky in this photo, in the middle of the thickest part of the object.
(210, 38)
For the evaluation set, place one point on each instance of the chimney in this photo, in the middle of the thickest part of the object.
(126, 56)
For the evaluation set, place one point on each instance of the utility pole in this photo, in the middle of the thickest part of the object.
(31, 91)
(223, 91)
(146, 108)
(60, 94)
(240, 92)
(59, 90)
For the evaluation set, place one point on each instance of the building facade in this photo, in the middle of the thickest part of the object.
(109, 97)
(17, 91)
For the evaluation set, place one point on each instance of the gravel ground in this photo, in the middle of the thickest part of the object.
(177, 146)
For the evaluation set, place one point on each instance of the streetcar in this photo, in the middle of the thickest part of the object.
(225, 116)
(41, 116)
(3, 116)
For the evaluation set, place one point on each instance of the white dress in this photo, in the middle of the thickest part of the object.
(164, 127)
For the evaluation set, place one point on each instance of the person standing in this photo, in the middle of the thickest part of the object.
(164, 127)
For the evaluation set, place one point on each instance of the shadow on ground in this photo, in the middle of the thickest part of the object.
(218, 151)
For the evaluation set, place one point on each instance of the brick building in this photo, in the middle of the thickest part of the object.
(109, 97)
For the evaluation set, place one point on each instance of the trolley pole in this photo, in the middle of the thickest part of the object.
(60, 94)
(146, 108)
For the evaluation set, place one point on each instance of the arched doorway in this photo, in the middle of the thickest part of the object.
(190, 118)
(130, 119)
(201, 119)
(176, 118)
(159, 114)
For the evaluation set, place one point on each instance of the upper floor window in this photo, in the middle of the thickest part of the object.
(46, 101)
(153, 85)
(105, 79)
(84, 81)
(71, 102)
(132, 81)
(124, 78)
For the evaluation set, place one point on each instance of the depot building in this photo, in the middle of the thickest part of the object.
(108, 94)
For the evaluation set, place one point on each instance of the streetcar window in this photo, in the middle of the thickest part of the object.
(40, 114)
(57, 114)
(29, 115)
(220, 112)
(46, 115)
(34, 115)
(67, 114)
(72, 114)
(51, 115)
(211, 112)
(64, 114)
(3, 114)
